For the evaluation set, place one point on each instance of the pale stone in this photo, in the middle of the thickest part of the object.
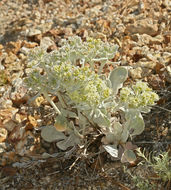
(146, 64)
(136, 73)
(3, 134)
(33, 32)
(145, 26)
(168, 74)
(46, 42)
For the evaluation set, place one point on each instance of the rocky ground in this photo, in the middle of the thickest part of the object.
(141, 29)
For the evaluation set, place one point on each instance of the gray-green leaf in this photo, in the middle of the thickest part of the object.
(50, 134)
(134, 122)
(70, 141)
(117, 77)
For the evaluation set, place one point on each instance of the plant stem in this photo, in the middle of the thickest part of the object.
(61, 100)
(51, 102)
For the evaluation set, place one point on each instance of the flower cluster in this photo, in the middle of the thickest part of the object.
(65, 70)
(82, 85)
(140, 95)
(90, 51)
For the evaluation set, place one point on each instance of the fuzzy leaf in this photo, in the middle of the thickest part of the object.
(117, 77)
(134, 122)
(69, 114)
(82, 121)
(101, 120)
(50, 134)
(70, 141)
(112, 150)
(118, 133)
(128, 156)
(124, 135)
(145, 109)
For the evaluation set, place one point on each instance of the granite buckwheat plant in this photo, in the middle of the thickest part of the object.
(75, 74)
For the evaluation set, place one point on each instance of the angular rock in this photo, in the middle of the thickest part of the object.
(29, 44)
(9, 125)
(166, 3)
(33, 32)
(46, 42)
(11, 58)
(147, 64)
(156, 82)
(3, 147)
(168, 74)
(13, 47)
(147, 39)
(19, 96)
(136, 73)
(145, 26)
(3, 134)
(1, 46)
